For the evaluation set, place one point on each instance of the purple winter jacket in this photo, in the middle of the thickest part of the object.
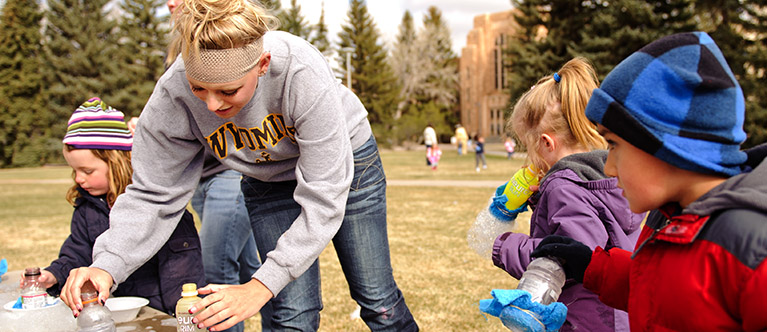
(159, 280)
(578, 200)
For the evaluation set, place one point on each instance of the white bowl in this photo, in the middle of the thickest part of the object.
(125, 308)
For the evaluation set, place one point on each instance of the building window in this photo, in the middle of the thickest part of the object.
(496, 122)
(499, 62)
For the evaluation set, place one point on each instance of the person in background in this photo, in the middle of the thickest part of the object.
(429, 139)
(266, 104)
(462, 138)
(509, 144)
(479, 150)
(574, 197)
(672, 114)
(433, 154)
(97, 146)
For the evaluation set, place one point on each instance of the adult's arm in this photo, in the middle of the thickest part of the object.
(167, 163)
(324, 172)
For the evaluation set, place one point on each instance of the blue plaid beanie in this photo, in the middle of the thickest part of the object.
(676, 99)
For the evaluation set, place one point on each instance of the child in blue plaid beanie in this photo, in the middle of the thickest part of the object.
(672, 114)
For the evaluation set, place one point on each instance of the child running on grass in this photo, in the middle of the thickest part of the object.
(98, 148)
(672, 114)
(575, 198)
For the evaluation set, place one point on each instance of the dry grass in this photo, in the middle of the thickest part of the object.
(441, 278)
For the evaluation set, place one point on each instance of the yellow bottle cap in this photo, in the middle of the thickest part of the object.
(189, 289)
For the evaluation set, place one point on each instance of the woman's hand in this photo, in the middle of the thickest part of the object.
(70, 294)
(227, 305)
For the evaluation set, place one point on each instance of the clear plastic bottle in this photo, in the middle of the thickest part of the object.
(486, 228)
(33, 294)
(543, 279)
(188, 299)
(94, 317)
(497, 218)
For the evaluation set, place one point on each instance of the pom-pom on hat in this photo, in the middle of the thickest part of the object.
(95, 125)
(676, 99)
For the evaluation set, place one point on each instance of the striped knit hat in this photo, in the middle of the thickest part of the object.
(676, 99)
(95, 125)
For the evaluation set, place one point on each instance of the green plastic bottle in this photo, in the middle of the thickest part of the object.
(183, 317)
(518, 188)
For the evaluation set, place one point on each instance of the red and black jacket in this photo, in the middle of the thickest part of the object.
(700, 269)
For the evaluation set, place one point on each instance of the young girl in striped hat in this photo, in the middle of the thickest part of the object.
(97, 146)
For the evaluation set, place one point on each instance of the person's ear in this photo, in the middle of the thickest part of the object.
(548, 142)
(263, 63)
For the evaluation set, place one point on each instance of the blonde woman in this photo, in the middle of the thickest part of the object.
(266, 104)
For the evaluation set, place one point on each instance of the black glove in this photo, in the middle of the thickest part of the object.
(573, 255)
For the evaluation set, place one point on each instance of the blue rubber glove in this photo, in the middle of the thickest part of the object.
(575, 256)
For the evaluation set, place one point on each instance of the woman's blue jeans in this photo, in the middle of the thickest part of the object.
(229, 253)
(361, 243)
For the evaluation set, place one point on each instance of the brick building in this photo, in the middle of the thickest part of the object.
(483, 87)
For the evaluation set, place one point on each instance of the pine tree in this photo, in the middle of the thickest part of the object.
(622, 27)
(294, 22)
(320, 34)
(22, 139)
(740, 30)
(526, 58)
(372, 78)
(551, 32)
(143, 41)
(408, 67)
(436, 45)
(405, 62)
(427, 72)
(80, 50)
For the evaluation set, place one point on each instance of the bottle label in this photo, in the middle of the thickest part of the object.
(33, 301)
(518, 188)
(185, 324)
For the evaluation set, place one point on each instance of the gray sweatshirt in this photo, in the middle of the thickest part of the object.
(301, 124)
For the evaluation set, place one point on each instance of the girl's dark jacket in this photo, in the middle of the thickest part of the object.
(159, 280)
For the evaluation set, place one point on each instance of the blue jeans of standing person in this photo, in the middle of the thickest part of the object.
(229, 253)
(362, 245)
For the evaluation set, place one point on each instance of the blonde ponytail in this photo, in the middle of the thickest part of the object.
(558, 107)
(578, 81)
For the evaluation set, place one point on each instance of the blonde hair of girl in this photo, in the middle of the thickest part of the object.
(558, 108)
(119, 175)
(215, 25)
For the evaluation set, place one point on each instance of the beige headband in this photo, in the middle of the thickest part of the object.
(223, 65)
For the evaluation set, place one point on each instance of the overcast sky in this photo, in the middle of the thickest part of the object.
(387, 14)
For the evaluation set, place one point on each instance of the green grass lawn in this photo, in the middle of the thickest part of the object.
(441, 277)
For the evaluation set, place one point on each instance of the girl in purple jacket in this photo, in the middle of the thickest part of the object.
(98, 148)
(575, 198)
